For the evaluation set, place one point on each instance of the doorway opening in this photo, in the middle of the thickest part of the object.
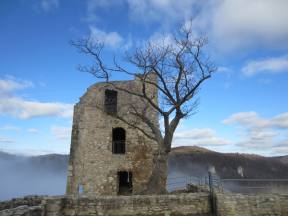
(125, 186)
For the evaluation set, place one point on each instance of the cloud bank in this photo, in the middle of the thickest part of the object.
(243, 23)
(268, 65)
(18, 107)
(260, 133)
(198, 137)
(5, 140)
(230, 24)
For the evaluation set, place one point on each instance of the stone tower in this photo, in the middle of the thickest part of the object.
(107, 156)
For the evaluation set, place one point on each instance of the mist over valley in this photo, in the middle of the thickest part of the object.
(46, 174)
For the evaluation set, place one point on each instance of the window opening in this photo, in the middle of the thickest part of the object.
(111, 102)
(125, 183)
(80, 189)
(118, 140)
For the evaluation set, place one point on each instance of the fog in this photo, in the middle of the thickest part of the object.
(21, 176)
(182, 172)
(46, 175)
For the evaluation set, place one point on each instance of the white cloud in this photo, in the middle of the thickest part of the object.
(48, 5)
(10, 84)
(253, 120)
(259, 133)
(5, 140)
(199, 137)
(261, 139)
(111, 39)
(61, 132)
(158, 39)
(269, 65)
(162, 11)
(281, 149)
(23, 108)
(280, 121)
(236, 24)
(250, 119)
(33, 130)
(230, 24)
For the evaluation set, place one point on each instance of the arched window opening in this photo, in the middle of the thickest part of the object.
(118, 140)
(111, 102)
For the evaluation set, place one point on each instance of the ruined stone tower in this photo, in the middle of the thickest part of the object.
(108, 157)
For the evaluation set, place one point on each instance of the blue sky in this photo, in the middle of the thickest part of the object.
(243, 107)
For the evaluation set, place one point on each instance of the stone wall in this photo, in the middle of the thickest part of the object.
(27, 201)
(188, 204)
(23, 211)
(158, 205)
(27, 206)
(192, 204)
(252, 205)
(92, 163)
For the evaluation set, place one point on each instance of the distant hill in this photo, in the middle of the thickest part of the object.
(6, 156)
(196, 160)
(51, 162)
(283, 159)
(46, 174)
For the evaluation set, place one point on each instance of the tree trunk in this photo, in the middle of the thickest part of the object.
(157, 181)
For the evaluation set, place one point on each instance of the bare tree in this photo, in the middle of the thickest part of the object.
(180, 67)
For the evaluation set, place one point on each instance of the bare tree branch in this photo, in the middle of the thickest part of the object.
(179, 67)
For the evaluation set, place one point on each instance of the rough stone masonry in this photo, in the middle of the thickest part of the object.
(108, 157)
(185, 204)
